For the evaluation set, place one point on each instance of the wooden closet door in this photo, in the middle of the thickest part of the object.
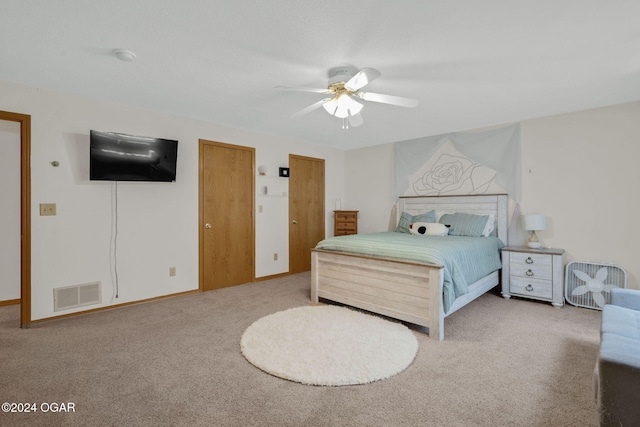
(25, 212)
(226, 215)
(306, 210)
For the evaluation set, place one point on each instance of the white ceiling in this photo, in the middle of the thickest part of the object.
(470, 63)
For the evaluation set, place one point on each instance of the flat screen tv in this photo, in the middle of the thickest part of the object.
(119, 157)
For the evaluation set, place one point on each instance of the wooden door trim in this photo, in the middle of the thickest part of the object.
(314, 159)
(201, 145)
(25, 213)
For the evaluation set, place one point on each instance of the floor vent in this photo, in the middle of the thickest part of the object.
(76, 296)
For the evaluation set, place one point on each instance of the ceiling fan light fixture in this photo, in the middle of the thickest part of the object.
(331, 106)
(344, 89)
(352, 107)
(342, 107)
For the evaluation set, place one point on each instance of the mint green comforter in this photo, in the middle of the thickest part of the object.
(465, 259)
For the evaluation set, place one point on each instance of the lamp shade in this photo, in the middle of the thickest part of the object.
(535, 222)
(343, 106)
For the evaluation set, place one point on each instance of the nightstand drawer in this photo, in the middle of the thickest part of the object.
(531, 287)
(528, 272)
(540, 260)
(531, 265)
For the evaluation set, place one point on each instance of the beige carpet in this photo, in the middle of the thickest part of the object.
(328, 346)
(178, 362)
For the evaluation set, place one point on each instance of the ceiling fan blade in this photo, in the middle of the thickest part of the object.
(362, 78)
(356, 120)
(310, 108)
(303, 89)
(389, 99)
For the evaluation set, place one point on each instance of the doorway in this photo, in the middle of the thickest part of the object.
(227, 230)
(25, 213)
(306, 210)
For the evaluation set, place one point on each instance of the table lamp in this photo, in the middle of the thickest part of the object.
(534, 223)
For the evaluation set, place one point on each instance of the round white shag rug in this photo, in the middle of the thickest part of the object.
(328, 345)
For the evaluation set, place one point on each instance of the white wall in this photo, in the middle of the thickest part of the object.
(9, 210)
(579, 169)
(157, 222)
(369, 186)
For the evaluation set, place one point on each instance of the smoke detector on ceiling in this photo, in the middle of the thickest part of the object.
(124, 55)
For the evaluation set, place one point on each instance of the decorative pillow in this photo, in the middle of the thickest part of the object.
(407, 219)
(463, 224)
(429, 228)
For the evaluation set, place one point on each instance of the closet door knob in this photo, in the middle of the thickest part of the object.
(207, 226)
(294, 221)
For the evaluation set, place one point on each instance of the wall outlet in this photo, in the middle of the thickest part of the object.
(47, 209)
(275, 257)
(172, 271)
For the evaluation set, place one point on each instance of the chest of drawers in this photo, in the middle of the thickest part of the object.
(345, 222)
(533, 273)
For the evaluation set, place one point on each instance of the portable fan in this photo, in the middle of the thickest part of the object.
(589, 284)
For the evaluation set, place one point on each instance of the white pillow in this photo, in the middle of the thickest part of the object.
(429, 228)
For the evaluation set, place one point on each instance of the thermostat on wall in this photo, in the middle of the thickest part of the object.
(284, 172)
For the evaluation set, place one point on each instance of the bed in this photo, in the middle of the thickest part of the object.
(401, 288)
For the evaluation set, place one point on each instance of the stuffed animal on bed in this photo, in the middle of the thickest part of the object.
(429, 228)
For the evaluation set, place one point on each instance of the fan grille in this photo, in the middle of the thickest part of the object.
(594, 289)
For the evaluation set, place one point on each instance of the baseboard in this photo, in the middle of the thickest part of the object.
(110, 307)
(10, 302)
(273, 276)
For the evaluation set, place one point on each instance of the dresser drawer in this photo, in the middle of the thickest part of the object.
(531, 287)
(343, 225)
(343, 231)
(346, 216)
(534, 266)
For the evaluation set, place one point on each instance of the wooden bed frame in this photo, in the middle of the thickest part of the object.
(404, 290)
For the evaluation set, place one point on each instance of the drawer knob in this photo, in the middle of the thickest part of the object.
(529, 287)
(529, 273)
(529, 260)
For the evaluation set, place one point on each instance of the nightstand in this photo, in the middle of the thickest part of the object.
(345, 222)
(533, 273)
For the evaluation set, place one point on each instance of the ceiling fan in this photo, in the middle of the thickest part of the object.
(345, 86)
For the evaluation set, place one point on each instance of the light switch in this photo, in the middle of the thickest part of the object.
(47, 209)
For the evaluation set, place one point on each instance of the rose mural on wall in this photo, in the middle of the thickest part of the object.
(454, 174)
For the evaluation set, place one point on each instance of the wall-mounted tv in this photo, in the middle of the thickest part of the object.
(119, 157)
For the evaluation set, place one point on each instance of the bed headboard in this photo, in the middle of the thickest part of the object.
(482, 204)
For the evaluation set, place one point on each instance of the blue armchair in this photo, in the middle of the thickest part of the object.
(617, 372)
